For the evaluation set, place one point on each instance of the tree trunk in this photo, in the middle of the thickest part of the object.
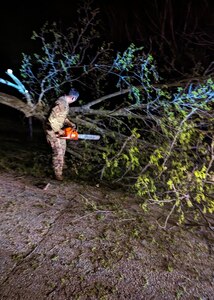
(36, 111)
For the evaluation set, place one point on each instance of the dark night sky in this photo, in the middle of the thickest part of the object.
(124, 21)
(18, 20)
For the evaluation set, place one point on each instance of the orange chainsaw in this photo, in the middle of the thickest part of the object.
(72, 134)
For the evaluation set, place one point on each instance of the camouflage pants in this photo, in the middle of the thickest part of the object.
(58, 152)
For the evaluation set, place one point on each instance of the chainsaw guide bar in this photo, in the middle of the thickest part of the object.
(82, 137)
(72, 134)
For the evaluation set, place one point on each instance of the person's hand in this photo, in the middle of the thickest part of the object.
(60, 133)
(73, 126)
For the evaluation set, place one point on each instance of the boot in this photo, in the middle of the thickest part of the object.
(59, 177)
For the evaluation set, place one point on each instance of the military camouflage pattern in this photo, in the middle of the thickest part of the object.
(58, 114)
(58, 148)
(56, 120)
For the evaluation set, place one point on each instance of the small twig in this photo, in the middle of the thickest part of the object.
(46, 187)
(167, 218)
(204, 217)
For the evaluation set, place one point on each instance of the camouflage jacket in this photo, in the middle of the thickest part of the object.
(58, 115)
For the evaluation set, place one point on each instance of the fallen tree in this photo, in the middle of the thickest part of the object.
(157, 138)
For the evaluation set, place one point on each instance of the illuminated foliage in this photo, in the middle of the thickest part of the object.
(170, 161)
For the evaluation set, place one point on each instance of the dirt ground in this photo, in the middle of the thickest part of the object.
(71, 240)
(74, 241)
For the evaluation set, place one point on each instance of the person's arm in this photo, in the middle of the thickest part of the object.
(69, 123)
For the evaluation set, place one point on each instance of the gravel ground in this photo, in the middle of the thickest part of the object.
(67, 241)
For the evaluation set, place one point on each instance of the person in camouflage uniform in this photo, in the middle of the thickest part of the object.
(55, 123)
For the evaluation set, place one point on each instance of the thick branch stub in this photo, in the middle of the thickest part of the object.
(18, 86)
(23, 107)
